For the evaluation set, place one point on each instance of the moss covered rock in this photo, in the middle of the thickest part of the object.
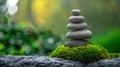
(85, 54)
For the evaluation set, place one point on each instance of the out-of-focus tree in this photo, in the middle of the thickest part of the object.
(3, 7)
(24, 15)
(3, 11)
(36, 12)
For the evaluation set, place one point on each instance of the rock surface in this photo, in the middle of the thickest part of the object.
(44, 61)
(77, 26)
(114, 62)
(35, 61)
(78, 30)
(76, 19)
(75, 43)
(76, 12)
(82, 34)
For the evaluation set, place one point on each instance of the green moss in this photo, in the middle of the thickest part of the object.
(85, 54)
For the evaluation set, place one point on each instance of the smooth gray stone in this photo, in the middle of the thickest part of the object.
(77, 26)
(76, 19)
(74, 43)
(76, 12)
(82, 34)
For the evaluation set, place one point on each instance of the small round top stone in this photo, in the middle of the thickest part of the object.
(76, 12)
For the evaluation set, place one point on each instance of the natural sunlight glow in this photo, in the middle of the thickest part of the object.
(12, 10)
(12, 2)
(12, 6)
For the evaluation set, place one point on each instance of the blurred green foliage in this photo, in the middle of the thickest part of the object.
(15, 40)
(109, 40)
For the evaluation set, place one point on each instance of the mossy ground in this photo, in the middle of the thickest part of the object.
(85, 54)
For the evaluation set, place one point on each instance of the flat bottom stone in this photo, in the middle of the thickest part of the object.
(74, 43)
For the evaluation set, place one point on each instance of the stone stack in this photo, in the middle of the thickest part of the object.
(78, 35)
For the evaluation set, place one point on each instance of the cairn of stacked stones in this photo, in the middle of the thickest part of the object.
(78, 35)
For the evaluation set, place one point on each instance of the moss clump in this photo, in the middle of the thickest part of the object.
(85, 54)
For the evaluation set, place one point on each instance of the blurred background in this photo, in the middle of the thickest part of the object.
(37, 27)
